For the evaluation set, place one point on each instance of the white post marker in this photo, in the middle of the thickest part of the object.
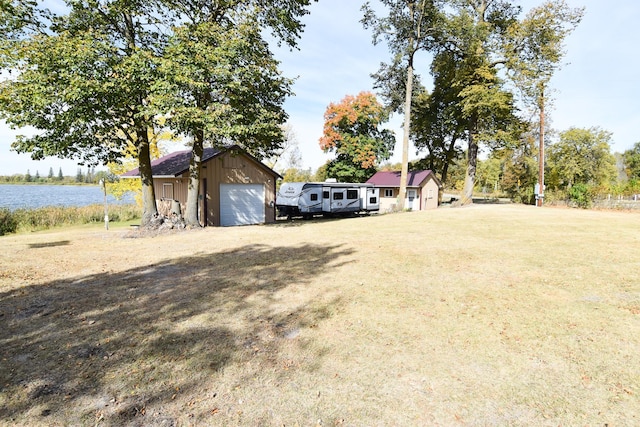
(103, 183)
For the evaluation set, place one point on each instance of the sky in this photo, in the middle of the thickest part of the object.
(598, 86)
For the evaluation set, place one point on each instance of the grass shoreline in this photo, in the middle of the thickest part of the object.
(25, 220)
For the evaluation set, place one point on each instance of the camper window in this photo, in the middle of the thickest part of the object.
(373, 200)
(338, 196)
(352, 194)
(313, 197)
(325, 194)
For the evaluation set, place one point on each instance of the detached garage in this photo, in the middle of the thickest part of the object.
(235, 188)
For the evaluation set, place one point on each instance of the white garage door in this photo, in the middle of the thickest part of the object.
(241, 204)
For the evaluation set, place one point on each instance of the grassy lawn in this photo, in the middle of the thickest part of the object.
(487, 315)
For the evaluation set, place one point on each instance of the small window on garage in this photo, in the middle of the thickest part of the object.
(352, 194)
(314, 197)
(325, 194)
(338, 196)
(430, 194)
(388, 192)
(167, 191)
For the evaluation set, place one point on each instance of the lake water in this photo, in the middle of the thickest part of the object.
(37, 196)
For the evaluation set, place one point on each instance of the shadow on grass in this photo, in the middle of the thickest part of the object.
(104, 347)
(49, 244)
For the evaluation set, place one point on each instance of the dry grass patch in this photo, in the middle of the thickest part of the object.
(489, 315)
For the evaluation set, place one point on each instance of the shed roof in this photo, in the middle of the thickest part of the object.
(177, 163)
(392, 179)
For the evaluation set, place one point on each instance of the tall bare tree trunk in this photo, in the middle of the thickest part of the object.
(405, 137)
(149, 207)
(193, 192)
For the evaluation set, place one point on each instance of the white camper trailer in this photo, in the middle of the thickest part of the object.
(299, 199)
(328, 198)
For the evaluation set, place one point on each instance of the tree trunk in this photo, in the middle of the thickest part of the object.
(472, 163)
(149, 207)
(405, 137)
(540, 200)
(193, 192)
(449, 153)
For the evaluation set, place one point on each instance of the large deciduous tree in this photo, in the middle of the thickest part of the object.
(437, 123)
(222, 83)
(408, 28)
(472, 38)
(581, 156)
(352, 130)
(82, 80)
(223, 86)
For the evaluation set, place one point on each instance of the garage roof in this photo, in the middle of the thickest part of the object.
(177, 163)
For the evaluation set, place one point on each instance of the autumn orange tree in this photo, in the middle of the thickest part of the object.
(352, 131)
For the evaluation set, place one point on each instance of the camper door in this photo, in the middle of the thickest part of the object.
(371, 199)
(338, 200)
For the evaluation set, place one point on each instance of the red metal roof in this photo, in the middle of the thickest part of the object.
(392, 179)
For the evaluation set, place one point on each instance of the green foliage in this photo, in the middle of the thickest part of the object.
(437, 125)
(8, 223)
(581, 156)
(581, 195)
(632, 161)
(344, 169)
(222, 81)
(489, 174)
(65, 89)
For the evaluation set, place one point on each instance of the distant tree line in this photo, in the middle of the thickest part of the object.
(90, 176)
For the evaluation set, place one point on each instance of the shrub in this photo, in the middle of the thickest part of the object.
(580, 195)
(8, 223)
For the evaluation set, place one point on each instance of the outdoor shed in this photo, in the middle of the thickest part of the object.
(423, 188)
(235, 188)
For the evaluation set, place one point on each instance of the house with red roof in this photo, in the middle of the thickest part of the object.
(423, 188)
(235, 188)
